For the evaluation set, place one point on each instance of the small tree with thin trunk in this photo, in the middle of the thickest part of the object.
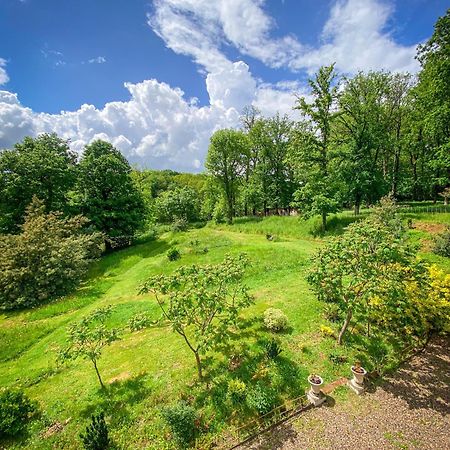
(371, 260)
(201, 302)
(88, 337)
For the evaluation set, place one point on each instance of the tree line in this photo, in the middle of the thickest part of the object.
(359, 138)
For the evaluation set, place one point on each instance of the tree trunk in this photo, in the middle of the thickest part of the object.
(98, 373)
(199, 365)
(344, 326)
(324, 221)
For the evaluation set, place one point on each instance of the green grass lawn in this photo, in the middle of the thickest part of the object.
(152, 368)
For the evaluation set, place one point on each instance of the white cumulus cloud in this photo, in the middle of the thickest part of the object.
(159, 127)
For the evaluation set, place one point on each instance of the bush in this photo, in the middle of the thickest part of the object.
(181, 419)
(275, 319)
(96, 435)
(261, 400)
(15, 411)
(173, 254)
(139, 322)
(179, 225)
(273, 349)
(236, 391)
(327, 331)
(441, 243)
(47, 259)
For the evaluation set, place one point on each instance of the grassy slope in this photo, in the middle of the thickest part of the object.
(153, 367)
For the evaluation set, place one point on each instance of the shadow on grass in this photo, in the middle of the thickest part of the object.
(335, 225)
(118, 398)
(246, 360)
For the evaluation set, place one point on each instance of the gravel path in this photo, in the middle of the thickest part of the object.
(408, 411)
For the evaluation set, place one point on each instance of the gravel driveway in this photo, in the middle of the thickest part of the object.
(408, 411)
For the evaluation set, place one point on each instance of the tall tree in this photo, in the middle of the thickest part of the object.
(272, 176)
(42, 166)
(433, 99)
(313, 147)
(226, 158)
(362, 135)
(107, 194)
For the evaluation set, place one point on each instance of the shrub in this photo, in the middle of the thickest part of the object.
(273, 349)
(47, 259)
(441, 243)
(261, 400)
(332, 312)
(236, 391)
(173, 254)
(179, 225)
(139, 322)
(275, 319)
(337, 358)
(96, 435)
(15, 411)
(181, 419)
(327, 331)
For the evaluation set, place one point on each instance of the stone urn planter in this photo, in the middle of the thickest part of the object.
(315, 396)
(357, 382)
(315, 381)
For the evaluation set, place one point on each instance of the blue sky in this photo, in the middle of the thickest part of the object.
(190, 65)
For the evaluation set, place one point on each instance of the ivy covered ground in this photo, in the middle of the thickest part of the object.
(151, 368)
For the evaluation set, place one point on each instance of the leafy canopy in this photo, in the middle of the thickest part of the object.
(43, 166)
(47, 259)
(107, 195)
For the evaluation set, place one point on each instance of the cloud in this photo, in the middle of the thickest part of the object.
(159, 127)
(354, 35)
(3, 75)
(355, 38)
(98, 60)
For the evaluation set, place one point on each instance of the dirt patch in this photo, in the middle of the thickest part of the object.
(54, 428)
(121, 377)
(429, 227)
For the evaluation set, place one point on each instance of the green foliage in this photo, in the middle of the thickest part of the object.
(441, 243)
(139, 322)
(87, 338)
(226, 155)
(236, 391)
(261, 399)
(201, 302)
(275, 319)
(179, 204)
(15, 411)
(173, 254)
(182, 420)
(272, 348)
(96, 436)
(179, 225)
(47, 259)
(42, 167)
(107, 195)
(372, 259)
(332, 312)
(312, 154)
